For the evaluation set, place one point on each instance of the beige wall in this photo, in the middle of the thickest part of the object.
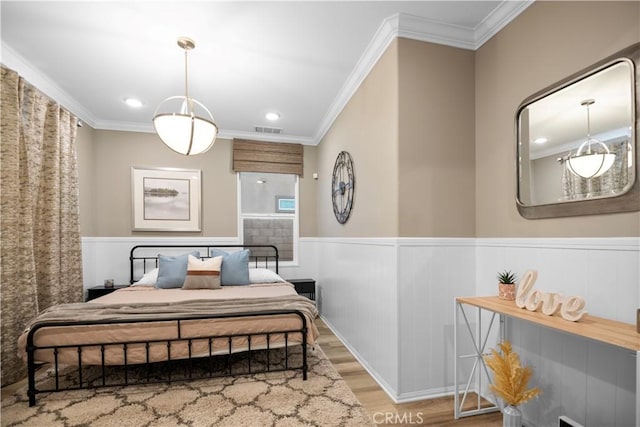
(307, 188)
(546, 43)
(367, 128)
(410, 130)
(86, 180)
(105, 159)
(437, 141)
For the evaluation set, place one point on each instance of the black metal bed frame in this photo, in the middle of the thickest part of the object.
(256, 259)
(82, 383)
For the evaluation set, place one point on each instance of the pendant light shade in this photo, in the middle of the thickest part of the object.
(184, 124)
(593, 157)
(591, 165)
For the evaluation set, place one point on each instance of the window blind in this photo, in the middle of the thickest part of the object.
(268, 157)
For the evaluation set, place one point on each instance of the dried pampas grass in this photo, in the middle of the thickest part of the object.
(510, 378)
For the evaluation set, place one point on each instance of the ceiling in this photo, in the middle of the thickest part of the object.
(302, 60)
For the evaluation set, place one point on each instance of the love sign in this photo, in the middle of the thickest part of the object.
(550, 303)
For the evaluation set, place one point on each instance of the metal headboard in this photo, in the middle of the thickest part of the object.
(260, 255)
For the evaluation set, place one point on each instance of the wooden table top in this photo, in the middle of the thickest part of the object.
(596, 328)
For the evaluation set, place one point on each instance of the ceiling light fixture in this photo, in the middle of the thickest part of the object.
(272, 117)
(596, 159)
(182, 123)
(133, 102)
(261, 181)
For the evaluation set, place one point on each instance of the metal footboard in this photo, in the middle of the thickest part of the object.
(171, 367)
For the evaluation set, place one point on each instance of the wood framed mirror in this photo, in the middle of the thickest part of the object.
(577, 149)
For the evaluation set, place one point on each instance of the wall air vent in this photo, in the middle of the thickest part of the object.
(266, 129)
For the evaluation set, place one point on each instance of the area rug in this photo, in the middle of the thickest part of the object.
(280, 399)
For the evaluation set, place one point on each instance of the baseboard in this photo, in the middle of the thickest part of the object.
(376, 377)
(395, 397)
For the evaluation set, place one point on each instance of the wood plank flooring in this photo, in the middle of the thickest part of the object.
(432, 412)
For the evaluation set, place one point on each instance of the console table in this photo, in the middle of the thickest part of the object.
(608, 331)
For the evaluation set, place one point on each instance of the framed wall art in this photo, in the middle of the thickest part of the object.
(166, 199)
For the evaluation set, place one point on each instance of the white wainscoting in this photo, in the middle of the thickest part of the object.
(358, 300)
(390, 300)
(108, 257)
(591, 382)
(431, 273)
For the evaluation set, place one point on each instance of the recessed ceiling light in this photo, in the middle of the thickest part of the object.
(271, 116)
(133, 102)
(261, 181)
(540, 140)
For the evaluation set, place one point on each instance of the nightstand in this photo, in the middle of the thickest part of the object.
(100, 290)
(306, 287)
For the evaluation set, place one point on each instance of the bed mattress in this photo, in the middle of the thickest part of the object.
(188, 338)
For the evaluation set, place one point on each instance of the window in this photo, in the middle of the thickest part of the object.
(269, 211)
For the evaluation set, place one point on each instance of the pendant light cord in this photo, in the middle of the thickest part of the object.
(587, 103)
(588, 130)
(186, 82)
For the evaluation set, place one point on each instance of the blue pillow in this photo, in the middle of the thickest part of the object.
(235, 267)
(172, 270)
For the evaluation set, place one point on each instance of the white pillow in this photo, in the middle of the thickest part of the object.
(263, 275)
(148, 279)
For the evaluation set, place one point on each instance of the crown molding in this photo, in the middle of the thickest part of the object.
(222, 134)
(124, 126)
(421, 29)
(267, 137)
(506, 12)
(11, 59)
(376, 47)
(426, 30)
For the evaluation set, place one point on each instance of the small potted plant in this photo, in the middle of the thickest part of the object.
(510, 381)
(507, 285)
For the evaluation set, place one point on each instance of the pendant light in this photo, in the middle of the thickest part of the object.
(593, 157)
(185, 125)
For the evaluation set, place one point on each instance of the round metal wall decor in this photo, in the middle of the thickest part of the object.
(343, 186)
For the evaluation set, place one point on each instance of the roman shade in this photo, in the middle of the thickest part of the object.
(268, 157)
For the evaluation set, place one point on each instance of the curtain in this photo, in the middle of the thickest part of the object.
(610, 183)
(41, 262)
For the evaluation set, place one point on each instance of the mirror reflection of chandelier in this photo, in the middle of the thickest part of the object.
(593, 157)
(182, 123)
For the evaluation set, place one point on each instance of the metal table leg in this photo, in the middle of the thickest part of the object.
(479, 341)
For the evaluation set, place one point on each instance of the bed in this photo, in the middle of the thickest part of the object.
(167, 329)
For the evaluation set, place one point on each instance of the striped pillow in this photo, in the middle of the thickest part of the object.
(203, 274)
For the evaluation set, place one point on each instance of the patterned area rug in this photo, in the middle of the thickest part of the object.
(272, 399)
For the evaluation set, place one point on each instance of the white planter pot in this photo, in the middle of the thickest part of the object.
(511, 416)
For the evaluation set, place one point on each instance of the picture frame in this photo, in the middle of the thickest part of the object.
(285, 204)
(166, 199)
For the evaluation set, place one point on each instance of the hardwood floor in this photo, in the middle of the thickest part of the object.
(432, 412)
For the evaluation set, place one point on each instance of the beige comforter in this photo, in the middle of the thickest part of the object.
(163, 305)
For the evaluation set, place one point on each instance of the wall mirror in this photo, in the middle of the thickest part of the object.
(577, 148)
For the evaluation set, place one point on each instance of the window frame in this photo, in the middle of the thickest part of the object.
(295, 216)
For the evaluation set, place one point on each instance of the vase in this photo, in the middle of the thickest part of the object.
(511, 416)
(507, 291)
